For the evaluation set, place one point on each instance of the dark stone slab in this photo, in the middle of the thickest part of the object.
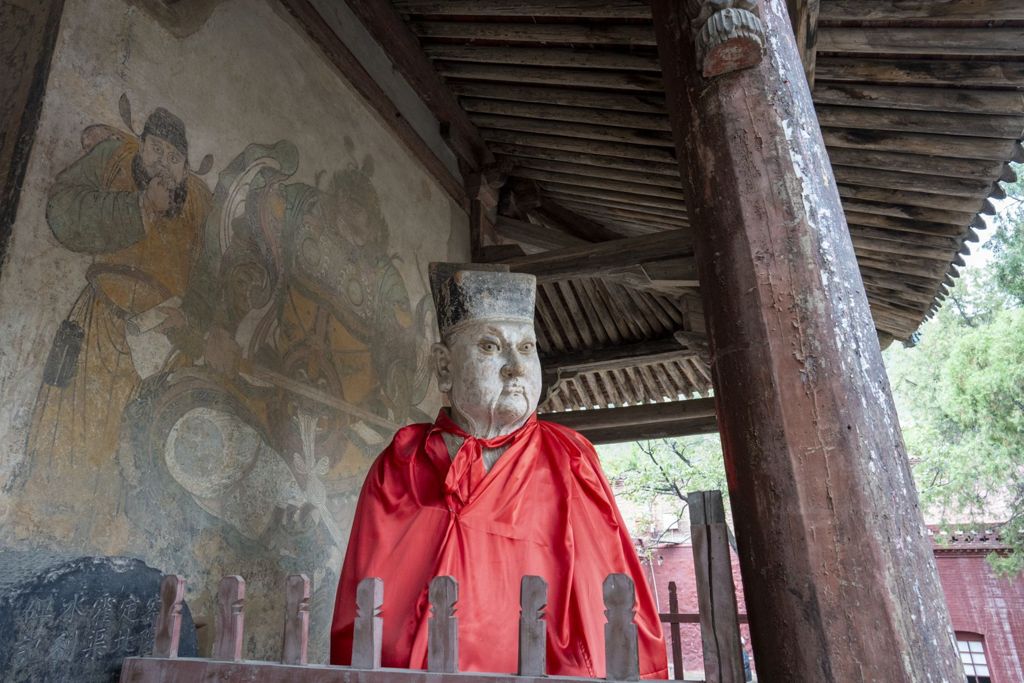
(68, 618)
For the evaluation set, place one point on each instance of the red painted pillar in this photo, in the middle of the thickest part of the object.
(840, 580)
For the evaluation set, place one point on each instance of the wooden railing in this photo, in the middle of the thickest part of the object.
(674, 619)
(718, 618)
(228, 666)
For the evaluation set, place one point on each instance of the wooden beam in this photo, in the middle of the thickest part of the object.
(573, 58)
(917, 182)
(934, 10)
(957, 167)
(631, 225)
(625, 197)
(911, 199)
(555, 215)
(596, 171)
(909, 225)
(627, 209)
(937, 122)
(577, 9)
(808, 428)
(922, 99)
(598, 182)
(624, 101)
(922, 213)
(803, 14)
(716, 594)
(546, 75)
(593, 260)
(630, 423)
(993, 149)
(942, 41)
(947, 244)
(618, 357)
(352, 70)
(535, 235)
(573, 144)
(553, 112)
(577, 130)
(393, 34)
(955, 74)
(551, 34)
(649, 221)
(668, 171)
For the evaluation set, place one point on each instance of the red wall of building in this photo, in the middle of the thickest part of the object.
(675, 563)
(981, 603)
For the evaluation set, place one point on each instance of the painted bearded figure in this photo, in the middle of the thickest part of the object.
(487, 494)
(134, 205)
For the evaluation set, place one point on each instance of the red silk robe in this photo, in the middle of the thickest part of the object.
(544, 509)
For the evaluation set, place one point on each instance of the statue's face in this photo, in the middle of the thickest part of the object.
(491, 373)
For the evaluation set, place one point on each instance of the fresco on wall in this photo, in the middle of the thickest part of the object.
(233, 360)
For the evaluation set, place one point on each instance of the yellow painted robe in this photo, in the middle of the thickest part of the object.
(73, 488)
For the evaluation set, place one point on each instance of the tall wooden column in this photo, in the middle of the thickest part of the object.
(840, 580)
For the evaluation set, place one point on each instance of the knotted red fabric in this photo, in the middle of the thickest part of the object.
(544, 509)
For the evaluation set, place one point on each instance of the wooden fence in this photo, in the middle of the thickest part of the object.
(718, 619)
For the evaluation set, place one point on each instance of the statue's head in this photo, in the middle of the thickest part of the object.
(487, 360)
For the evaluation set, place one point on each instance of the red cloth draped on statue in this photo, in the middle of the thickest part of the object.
(544, 509)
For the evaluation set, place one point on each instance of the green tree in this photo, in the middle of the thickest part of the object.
(665, 470)
(960, 393)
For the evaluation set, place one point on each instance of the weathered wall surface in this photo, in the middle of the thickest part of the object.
(984, 604)
(197, 368)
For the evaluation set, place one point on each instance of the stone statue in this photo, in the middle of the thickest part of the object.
(488, 494)
(487, 360)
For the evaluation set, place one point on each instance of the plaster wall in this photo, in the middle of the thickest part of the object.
(204, 388)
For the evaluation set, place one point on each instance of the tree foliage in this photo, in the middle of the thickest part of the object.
(664, 471)
(960, 393)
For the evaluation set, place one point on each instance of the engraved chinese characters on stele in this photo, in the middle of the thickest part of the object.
(64, 619)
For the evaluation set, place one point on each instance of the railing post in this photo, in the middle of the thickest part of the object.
(533, 634)
(443, 634)
(369, 626)
(231, 609)
(296, 620)
(716, 593)
(621, 652)
(677, 645)
(168, 622)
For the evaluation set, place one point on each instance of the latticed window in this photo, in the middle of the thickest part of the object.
(972, 654)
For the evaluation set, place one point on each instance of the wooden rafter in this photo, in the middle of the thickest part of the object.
(593, 260)
(388, 28)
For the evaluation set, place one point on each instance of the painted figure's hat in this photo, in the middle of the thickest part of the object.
(166, 125)
(468, 292)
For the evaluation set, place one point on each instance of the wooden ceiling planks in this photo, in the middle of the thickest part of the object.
(921, 105)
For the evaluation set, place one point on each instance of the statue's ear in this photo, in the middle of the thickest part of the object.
(442, 358)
